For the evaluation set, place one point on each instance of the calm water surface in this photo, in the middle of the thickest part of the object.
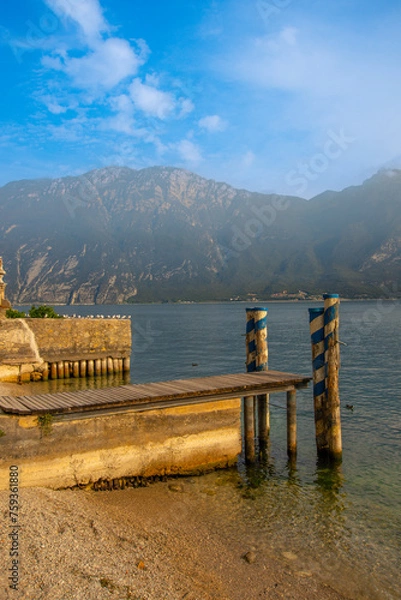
(343, 522)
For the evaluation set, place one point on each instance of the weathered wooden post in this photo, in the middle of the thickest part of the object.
(75, 369)
(60, 369)
(45, 372)
(82, 368)
(256, 360)
(332, 360)
(91, 368)
(67, 369)
(53, 370)
(249, 428)
(291, 422)
(316, 320)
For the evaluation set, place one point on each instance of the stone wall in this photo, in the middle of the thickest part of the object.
(79, 450)
(29, 345)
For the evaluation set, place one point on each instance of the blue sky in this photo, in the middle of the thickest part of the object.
(293, 96)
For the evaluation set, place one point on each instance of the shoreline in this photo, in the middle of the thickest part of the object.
(186, 302)
(162, 541)
(184, 538)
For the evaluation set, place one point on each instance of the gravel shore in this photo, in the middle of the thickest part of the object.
(161, 542)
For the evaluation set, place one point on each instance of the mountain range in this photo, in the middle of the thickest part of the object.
(164, 234)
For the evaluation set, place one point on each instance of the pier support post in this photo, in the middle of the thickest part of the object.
(127, 364)
(90, 368)
(291, 422)
(67, 369)
(98, 367)
(60, 369)
(75, 368)
(263, 417)
(82, 368)
(53, 370)
(110, 365)
(45, 372)
(249, 428)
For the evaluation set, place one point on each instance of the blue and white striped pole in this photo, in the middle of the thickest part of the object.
(332, 363)
(316, 321)
(331, 320)
(256, 339)
(256, 360)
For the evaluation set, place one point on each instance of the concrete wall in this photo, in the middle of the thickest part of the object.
(27, 344)
(84, 449)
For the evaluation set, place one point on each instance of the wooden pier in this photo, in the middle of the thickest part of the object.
(190, 396)
(148, 396)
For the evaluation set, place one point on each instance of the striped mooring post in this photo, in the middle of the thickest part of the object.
(332, 361)
(324, 327)
(316, 321)
(256, 360)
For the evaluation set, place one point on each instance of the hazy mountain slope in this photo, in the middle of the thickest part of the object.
(117, 234)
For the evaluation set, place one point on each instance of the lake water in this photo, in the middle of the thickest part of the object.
(344, 522)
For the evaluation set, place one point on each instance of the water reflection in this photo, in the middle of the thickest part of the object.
(76, 384)
(329, 476)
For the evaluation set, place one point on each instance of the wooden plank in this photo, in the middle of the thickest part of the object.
(35, 405)
(45, 402)
(61, 400)
(11, 404)
(76, 399)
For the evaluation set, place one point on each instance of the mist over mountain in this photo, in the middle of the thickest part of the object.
(118, 234)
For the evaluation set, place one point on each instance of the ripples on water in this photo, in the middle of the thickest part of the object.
(344, 522)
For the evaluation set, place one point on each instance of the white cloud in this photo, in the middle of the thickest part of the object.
(53, 105)
(123, 120)
(86, 13)
(58, 103)
(150, 100)
(186, 106)
(212, 123)
(189, 151)
(112, 61)
(107, 60)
